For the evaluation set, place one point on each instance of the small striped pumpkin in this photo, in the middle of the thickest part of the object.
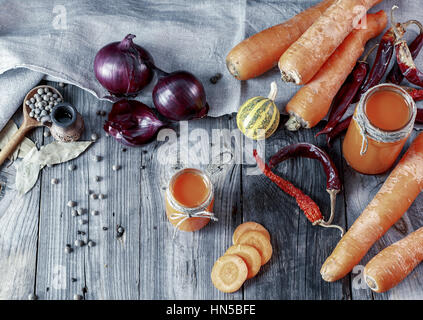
(258, 118)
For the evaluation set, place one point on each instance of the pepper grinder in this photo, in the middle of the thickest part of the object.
(67, 123)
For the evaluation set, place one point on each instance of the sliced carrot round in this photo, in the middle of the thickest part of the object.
(259, 241)
(250, 255)
(249, 226)
(229, 273)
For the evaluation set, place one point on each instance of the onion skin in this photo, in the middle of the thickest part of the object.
(132, 123)
(123, 68)
(180, 96)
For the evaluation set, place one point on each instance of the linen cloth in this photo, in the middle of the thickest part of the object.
(60, 39)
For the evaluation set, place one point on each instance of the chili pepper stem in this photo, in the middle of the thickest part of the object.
(328, 223)
(366, 56)
(325, 225)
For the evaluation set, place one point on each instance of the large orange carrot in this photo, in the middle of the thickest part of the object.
(312, 102)
(391, 202)
(261, 52)
(304, 58)
(390, 266)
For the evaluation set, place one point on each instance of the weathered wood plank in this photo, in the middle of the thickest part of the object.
(58, 227)
(299, 248)
(180, 268)
(19, 218)
(112, 266)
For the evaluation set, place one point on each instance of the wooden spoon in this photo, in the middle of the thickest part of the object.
(27, 125)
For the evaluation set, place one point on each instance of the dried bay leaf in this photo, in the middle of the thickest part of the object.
(59, 152)
(28, 169)
(27, 172)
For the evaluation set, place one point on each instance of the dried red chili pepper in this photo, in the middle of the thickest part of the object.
(416, 94)
(308, 150)
(404, 57)
(395, 76)
(382, 60)
(407, 65)
(338, 130)
(310, 208)
(347, 93)
(419, 117)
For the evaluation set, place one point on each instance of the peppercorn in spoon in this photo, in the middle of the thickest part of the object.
(37, 106)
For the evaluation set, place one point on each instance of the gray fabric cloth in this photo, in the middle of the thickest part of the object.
(61, 38)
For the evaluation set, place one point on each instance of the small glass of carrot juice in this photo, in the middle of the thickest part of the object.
(382, 123)
(189, 200)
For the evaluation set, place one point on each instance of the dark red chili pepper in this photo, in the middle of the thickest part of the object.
(405, 59)
(416, 94)
(338, 130)
(419, 117)
(395, 75)
(382, 60)
(310, 208)
(308, 150)
(347, 93)
(406, 63)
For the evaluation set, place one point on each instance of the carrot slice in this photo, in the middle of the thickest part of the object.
(250, 255)
(249, 226)
(229, 273)
(259, 241)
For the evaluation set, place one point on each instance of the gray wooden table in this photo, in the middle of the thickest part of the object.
(144, 262)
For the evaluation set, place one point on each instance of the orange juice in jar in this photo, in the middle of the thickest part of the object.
(382, 123)
(189, 200)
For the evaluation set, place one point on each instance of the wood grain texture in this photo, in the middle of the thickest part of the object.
(299, 248)
(19, 218)
(184, 263)
(146, 262)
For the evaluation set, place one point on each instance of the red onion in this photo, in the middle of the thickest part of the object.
(180, 96)
(123, 68)
(132, 123)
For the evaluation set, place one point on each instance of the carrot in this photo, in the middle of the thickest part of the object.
(250, 255)
(261, 52)
(304, 58)
(249, 226)
(390, 266)
(260, 242)
(391, 202)
(229, 273)
(312, 102)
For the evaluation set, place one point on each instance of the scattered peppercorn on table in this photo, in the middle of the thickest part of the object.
(96, 228)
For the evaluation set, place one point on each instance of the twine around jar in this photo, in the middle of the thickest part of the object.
(368, 130)
(184, 213)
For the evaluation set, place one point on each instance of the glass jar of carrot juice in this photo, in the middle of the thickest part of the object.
(382, 122)
(189, 200)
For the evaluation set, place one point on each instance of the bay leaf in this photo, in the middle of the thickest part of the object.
(59, 152)
(27, 172)
(28, 169)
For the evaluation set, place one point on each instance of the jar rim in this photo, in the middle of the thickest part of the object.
(375, 132)
(182, 208)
